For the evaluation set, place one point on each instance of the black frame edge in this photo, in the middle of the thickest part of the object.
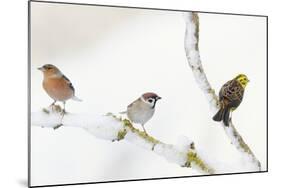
(146, 8)
(29, 93)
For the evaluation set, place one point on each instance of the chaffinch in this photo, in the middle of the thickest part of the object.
(57, 85)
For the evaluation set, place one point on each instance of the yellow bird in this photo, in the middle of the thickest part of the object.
(230, 97)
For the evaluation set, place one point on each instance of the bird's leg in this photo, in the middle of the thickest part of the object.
(143, 129)
(53, 103)
(63, 110)
(62, 115)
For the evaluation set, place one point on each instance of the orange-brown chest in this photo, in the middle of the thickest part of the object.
(58, 89)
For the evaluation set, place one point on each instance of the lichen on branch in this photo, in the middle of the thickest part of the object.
(113, 128)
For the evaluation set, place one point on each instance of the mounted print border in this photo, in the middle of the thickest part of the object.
(114, 127)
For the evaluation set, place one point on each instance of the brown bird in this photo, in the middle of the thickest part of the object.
(57, 85)
(230, 97)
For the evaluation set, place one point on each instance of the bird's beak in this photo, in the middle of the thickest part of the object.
(158, 98)
(41, 68)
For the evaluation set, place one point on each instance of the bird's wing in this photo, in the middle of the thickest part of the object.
(237, 91)
(233, 92)
(69, 83)
(133, 103)
(224, 92)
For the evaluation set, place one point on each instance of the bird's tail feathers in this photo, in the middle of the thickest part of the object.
(76, 99)
(219, 115)
(226, 116)
(223, 115)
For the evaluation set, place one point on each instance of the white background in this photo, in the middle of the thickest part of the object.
(112, 56)
(13, 64)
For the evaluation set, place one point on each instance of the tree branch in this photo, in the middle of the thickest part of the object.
(193, 56)
(113, 128)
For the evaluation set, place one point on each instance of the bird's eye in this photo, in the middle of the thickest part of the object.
(150, 100)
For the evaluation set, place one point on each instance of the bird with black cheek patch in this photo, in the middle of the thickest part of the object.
(141, 110)
(57, 85)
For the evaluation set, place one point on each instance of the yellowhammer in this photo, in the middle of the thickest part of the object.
(230, 96)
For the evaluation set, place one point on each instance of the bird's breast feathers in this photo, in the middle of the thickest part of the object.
(232, 91)
(58, 89)
(140, 112)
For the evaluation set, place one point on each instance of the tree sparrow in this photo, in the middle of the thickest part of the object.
(142, 109)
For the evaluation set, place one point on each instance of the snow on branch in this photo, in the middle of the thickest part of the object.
(113, 128)
(193, 56)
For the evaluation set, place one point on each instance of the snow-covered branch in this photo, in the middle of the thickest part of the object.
(193, 56)
(113, 128)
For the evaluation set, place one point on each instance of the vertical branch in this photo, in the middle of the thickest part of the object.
(193, 56)
(191, 45)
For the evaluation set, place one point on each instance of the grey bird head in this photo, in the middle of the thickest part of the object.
(50, 70)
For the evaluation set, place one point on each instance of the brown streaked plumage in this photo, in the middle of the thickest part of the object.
(230, 97)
